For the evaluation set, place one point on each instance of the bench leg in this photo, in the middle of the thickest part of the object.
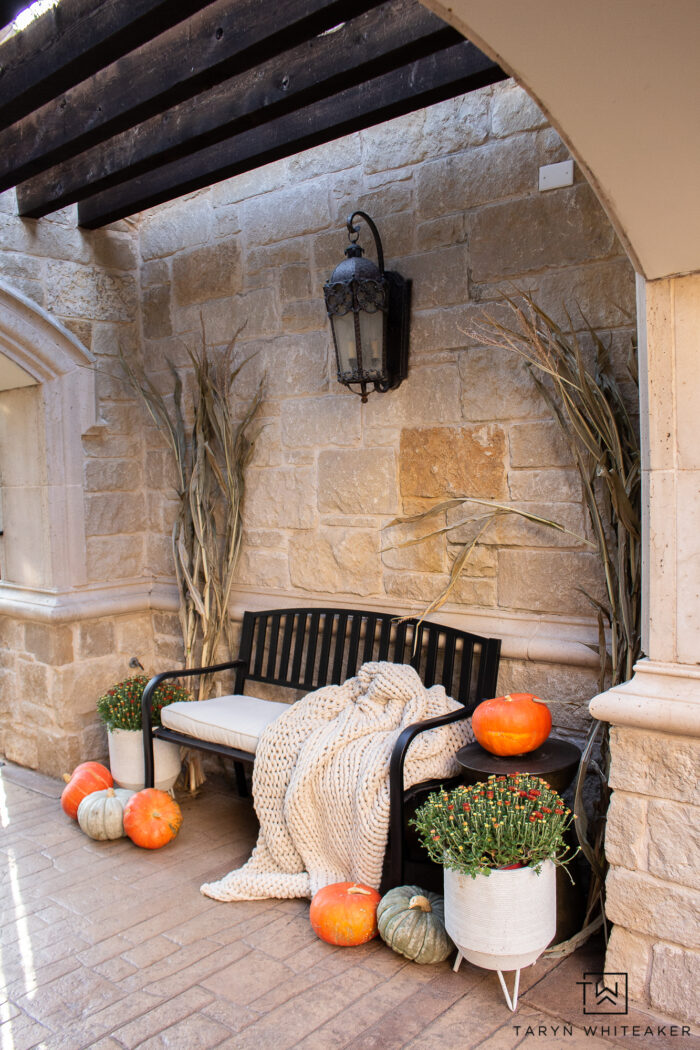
(241, 782)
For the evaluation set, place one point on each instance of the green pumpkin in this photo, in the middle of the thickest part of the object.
(101, 814)
(412, 922)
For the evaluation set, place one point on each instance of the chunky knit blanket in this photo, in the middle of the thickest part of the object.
(321, 782)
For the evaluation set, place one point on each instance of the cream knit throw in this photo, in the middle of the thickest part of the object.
(321, 782)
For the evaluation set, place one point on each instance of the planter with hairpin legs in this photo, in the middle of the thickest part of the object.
(499, 842)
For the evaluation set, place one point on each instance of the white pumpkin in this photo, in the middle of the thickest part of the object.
(101, 814)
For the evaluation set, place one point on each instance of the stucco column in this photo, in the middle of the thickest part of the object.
(653, 834)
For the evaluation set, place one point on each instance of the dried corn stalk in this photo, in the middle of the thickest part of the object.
(210, 460)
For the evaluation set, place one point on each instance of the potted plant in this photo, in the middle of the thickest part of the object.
(120, 710)
(498, 842)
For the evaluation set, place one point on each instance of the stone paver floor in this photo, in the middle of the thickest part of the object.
(105, 946)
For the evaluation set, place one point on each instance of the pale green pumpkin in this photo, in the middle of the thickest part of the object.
(101, 814)
(412, 922)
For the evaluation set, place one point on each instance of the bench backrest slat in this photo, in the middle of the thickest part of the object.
(319, 647)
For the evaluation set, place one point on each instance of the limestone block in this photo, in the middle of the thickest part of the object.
(107, 513)
(266, 444)
(249, 184)
(513, 530)
(439, 277)
(442, 231)
(180, 224)
(626, 831)
(675, 982)
(20, 267)
(122, 417)
(427, 556)
(566, 690)
(207, 273)
(317, 422)
(630, 953)
(278, 498)
(113, 250)
(33, 694)
(112, 475)
(95, 638)
(49, 644)
(497, 385)
(159, 555)
(553, 485)
(270, 257)
(132, 634)
(429, 396)
(550, 148)
(473, 591)
(562, 228)
(287, 214)
(108, 339)
(103, 445)
(331, 156)
(295, 282)
(155, 312)
(513, 110)
(653, 906)
(657, 764)
(262, 538)
(459, 122)
(155, 272)
(167, 623)
(548, 581)
(20, 746)
(601, 292)
(58, 753)
(89, 292)
(394, 143)
(304, 316)
(264, 569)
(421, 587)
(46, 239)
(257, 311)
(477, 177)
(441, 329)
(114, 557)
(539, 444)
(32, 289)
(357, 481)
(674, 842)
(439, 462)
(482, 560)
(335, 561)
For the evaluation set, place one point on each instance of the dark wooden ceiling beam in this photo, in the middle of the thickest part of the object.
(457, 69)
(224, 39)
(72, 41)
(395, 34)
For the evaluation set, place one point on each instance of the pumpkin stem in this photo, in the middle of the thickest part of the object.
(359, 889)
(110, 792)
(419, 901)
(66, 777)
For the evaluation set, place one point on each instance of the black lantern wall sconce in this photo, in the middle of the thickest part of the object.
(368, 307)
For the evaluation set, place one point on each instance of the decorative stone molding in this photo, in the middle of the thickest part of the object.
(63, 369)
(70, 606)
(662, 697)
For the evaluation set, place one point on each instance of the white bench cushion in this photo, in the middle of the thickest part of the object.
(234, 721)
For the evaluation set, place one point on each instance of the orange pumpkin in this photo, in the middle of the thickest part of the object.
(514, 724)
(85, 778)
(152, 818)
(345, 913)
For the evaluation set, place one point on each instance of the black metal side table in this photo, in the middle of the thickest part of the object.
(556, 761)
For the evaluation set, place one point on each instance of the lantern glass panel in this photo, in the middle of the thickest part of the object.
(344, 332)
(372, 342)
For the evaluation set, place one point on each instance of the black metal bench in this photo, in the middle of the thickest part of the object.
(304, 649)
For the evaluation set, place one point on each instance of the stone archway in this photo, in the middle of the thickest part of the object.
(47, 402)
(589, 67)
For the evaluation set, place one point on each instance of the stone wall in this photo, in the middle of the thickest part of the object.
(653, 889)
(62, 644)
(454, 192)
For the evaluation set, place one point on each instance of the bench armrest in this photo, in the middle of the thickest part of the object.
(396, 786)
(146, 721)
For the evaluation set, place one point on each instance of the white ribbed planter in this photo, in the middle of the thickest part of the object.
(501, 921)
(126, 760)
